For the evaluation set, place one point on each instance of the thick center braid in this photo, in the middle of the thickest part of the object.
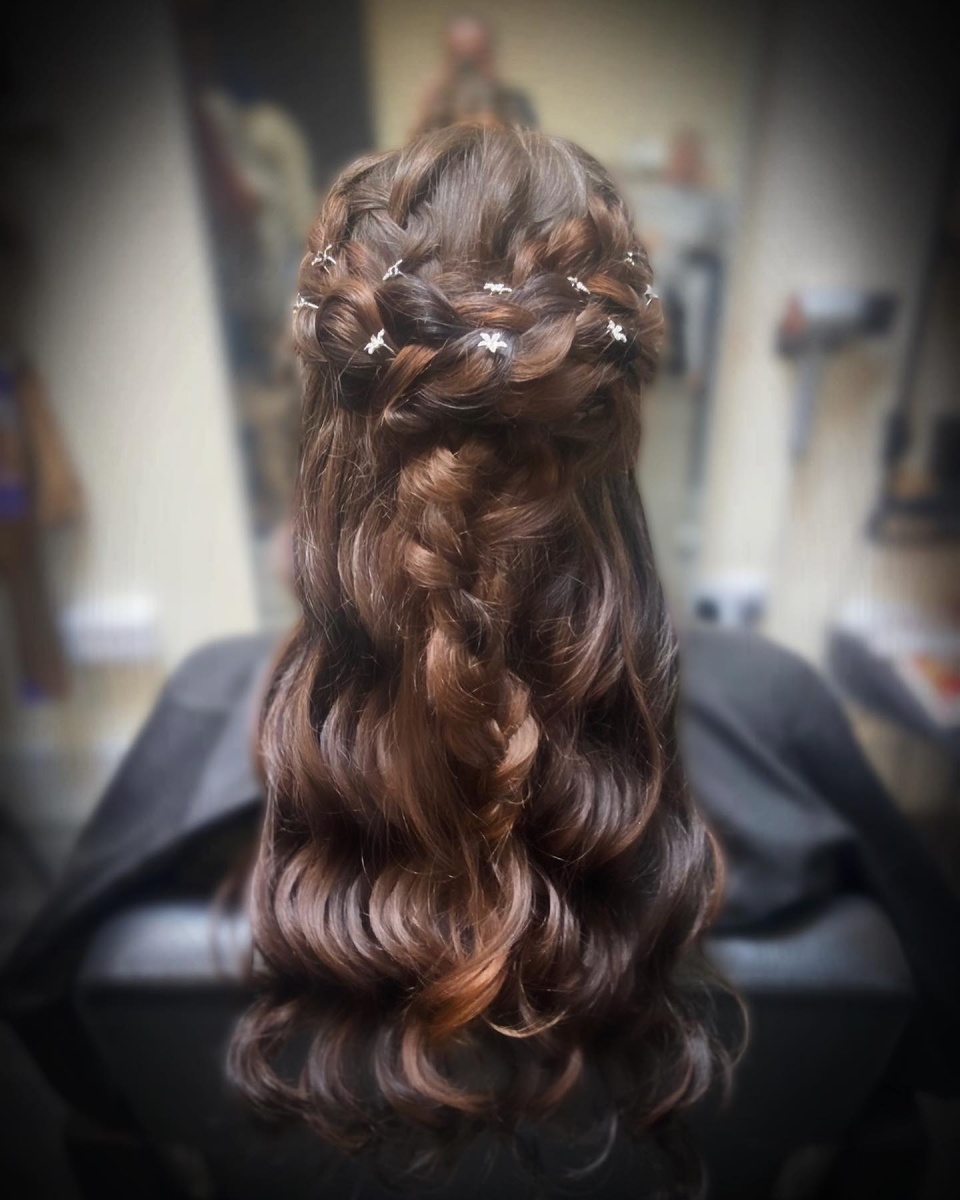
(457, 555)
(481, 707)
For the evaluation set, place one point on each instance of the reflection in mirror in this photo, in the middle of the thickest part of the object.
(276, 108)
(684, 216)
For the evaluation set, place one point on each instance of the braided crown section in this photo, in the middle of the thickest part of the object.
(557, 365)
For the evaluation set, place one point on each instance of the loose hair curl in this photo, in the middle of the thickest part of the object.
(479, 868)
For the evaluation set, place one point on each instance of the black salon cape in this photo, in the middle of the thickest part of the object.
(771, 760)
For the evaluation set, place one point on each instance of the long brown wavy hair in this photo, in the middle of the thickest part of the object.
(480, 868)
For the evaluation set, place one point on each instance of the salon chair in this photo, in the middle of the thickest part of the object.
(828, 994)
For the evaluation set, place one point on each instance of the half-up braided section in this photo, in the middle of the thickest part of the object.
(480, 869)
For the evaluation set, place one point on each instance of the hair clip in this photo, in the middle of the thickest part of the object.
(322, 257)
(497, 288)
(577, 285)
(377, 343)
(616, 331)
(394, 271)
(649, 294)
(492, 342)
(631, 257)
(303, 302)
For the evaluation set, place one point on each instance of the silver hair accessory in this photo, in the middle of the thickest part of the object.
(394, 271)
(649, 294)
(322, 257)
(577, 285)
(303, 302)
(377, 342)
(616, 331)
(631, 257)
(492, 342)
(497, 288)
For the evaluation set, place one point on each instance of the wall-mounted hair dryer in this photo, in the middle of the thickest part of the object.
(818, 322)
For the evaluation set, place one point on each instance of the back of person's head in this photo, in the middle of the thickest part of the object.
(479, 868)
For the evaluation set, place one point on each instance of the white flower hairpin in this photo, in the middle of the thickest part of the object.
(323, 257)
(394, 271)
(377, 343)
(498, 289)
(303, 302)
(649, 294)
(577, 285)
(616, 331)
(492, 342)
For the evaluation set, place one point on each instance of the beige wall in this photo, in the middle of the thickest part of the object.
(604, 73)
(123, 323)
(841, 191)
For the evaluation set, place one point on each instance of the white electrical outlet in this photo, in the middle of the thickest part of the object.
(120, 629)
(733, 599)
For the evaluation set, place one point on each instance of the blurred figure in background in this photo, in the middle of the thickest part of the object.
(685, 222)
(259, 148)
(257, 167)
(467, 86)
(687, 232)
(258, 176)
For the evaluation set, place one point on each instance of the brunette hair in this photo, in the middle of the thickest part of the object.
(480, 867)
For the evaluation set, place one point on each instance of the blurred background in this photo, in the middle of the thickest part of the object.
(793, 168)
